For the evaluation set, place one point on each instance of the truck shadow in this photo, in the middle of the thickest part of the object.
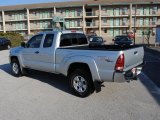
(150, 87)
(58, 81)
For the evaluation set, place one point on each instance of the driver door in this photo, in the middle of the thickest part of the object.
(30, 54)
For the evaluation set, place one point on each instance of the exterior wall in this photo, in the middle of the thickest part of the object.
(104, 20)
(1, 23)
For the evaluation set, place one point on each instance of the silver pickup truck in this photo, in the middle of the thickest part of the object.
(68, 53)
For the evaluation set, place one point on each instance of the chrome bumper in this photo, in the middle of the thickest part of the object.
(128, 75)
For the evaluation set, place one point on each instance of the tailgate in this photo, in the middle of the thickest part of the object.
(133, 57)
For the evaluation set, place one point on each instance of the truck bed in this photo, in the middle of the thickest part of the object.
(103, 47)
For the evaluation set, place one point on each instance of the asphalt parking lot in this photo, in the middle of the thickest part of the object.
(43, 96)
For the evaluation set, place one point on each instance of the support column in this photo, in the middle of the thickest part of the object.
(100, 21)
(28, 22)
(4, 24)
(55, 11)
(130, 18)
(84, 22)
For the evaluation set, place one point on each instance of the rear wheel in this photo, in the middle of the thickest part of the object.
(81, 82)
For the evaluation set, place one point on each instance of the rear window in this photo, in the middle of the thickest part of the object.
(72, 39)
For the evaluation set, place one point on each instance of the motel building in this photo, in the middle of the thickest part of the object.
(106, 18)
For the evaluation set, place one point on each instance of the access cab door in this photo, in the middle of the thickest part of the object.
(39, 53)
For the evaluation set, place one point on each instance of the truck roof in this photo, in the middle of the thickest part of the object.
(63, 31)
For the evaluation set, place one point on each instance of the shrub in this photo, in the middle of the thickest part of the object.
(15, 38)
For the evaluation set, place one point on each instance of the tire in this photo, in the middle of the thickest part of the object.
(81, 82)
(16, 68)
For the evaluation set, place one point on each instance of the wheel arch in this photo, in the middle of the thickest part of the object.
(78, 65)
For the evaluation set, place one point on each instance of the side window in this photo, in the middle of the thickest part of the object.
(48, 40)
(35, 41)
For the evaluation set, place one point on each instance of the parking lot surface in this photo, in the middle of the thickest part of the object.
(44, 96)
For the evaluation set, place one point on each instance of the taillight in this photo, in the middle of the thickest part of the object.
(120, 63)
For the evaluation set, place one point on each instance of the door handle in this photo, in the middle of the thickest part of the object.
(37, 52)
(135, 52)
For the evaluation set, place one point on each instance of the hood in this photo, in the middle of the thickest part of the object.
(16, 50)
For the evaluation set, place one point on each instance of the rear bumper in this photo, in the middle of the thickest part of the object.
(128, 75)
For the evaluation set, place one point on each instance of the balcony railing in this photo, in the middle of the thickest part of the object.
(16, 19)
(115, 25)
(91, 14)
(10, 28)
(41, 17)
(40, 27)
(144, 24)
(91, 24)
(70, 15)
(114, 15)
(1, 28)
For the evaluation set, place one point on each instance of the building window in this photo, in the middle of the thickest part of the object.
(116, 11)
(154, 20)
(67, 13)
(154, 10)
(104, 21)
(104, 10)
(141, 22)
(124, 21)
(124, 11)
(124, 31)
(79, 12)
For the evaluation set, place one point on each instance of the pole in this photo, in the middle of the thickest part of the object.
(135, 17)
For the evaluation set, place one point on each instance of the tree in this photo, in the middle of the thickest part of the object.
(147, 34)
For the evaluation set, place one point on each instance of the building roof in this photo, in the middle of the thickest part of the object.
(76, 3)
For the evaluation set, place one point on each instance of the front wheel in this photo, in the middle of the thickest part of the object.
(16, 68)
(81, 82)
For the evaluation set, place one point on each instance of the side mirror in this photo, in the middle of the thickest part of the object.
(113, 40)
(23, 44)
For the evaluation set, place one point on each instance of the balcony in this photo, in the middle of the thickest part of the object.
(109, 25)
(74, 15)
(150, 24)
(91, 24)
(22, 18)
(36, 27)
(1, 28)
(74, 24)
(33, 17)
(13, 28)
(115, 15)
(1, 20)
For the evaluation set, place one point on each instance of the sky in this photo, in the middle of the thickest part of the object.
(16, 2)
